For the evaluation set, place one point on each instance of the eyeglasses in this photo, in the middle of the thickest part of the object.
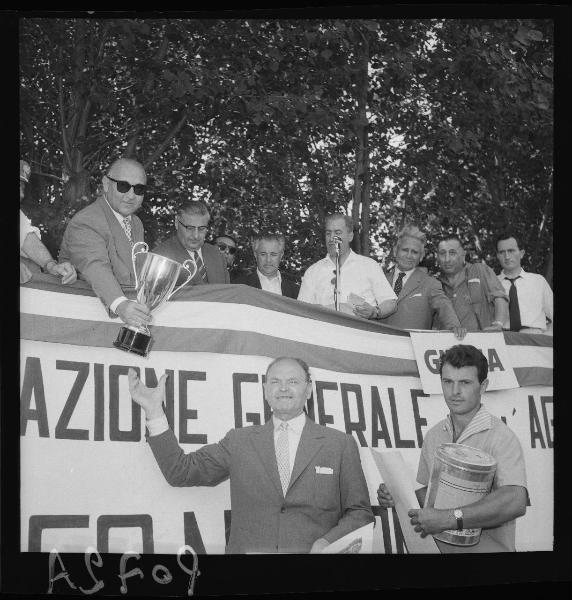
(124, 186)
(222, 246)
(200, 229)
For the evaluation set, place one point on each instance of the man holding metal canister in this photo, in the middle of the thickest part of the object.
(463, 373)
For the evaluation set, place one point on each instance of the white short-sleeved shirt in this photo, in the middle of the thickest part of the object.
(26, 227)
(359, 275)
(535, 299)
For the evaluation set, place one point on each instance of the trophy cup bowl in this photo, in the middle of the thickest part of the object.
(154, 284)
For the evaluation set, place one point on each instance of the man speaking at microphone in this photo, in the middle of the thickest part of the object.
(363, 289)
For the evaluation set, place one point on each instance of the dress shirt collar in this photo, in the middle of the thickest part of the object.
(199, 250)
(296, 424)
(268, 279)
(396, 272)
(117, 215)
(521, 273)
(349, 257)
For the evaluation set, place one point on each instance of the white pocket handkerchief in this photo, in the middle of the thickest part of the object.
(476, 280)
(324, 470)
(415, 295)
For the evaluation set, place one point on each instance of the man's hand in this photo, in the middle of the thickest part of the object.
(134, 314)
(64, 270)
(384, 498)
(365, 310)
(430, 520)
(150, 399)
(319, 545)
(459, 332)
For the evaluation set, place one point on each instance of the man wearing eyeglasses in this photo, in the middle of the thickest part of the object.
(188, 241)
(98, 240)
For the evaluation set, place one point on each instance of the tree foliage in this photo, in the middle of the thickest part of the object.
(276, 123)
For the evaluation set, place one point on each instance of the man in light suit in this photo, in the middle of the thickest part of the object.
(295, 486)
(98, 240)
(268, 251)
(421, 301)
(188, 241)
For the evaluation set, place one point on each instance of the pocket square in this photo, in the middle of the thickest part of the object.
(324, 470)
(476, 280)
(416, 295)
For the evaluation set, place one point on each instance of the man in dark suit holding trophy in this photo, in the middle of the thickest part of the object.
(464, 371)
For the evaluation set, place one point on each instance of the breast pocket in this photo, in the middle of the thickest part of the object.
(326, 492)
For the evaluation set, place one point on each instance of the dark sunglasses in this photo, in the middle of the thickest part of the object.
(124, 186)
(222, 246)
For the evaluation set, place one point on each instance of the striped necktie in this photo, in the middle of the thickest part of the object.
(201, 269)
(282, 456)
(127, 229)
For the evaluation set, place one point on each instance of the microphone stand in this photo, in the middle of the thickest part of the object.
(337, 279)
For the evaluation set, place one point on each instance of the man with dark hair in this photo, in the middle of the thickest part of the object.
(421, 302)
(295, 486)
(268, 249)
(188, 241)
(364, 290)
(477, 295)
(99, 238)
(228, 248)
(464, 371)
(531, 301)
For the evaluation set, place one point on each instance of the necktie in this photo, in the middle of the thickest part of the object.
(513, 308)
(282, 456)
(201, 269)
(127, 228)
(399, 283)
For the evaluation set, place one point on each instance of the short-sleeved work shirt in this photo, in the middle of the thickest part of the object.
(474, 295)
(488, 433)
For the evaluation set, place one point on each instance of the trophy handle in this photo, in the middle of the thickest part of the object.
(189, 261)
(134, 254)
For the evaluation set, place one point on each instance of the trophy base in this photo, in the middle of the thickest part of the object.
(133, 341)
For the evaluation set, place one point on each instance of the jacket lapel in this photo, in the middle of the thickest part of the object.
(263, 441)
(411, 284)
(311, 441)
(122, 244)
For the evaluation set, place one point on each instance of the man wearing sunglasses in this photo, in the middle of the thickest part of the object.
(227, 245)
(98, 240)
(191, 227)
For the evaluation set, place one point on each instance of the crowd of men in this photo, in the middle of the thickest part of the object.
(284, 495)
(463, 297)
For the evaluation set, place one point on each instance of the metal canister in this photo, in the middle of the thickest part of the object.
(460, 475)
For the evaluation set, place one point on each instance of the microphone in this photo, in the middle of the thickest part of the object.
(337, 240)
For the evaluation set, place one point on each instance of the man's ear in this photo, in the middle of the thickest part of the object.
(484, 386)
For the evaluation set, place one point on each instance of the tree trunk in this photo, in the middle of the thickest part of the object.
(361, 198)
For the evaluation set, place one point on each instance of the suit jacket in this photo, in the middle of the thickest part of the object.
(289, 287)
(421, 304)
(96, 244)
(327, 505)
(214, 261)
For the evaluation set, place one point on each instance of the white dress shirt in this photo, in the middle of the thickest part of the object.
(268, 284)
(359, 275)
(535, 300)
(295, 427)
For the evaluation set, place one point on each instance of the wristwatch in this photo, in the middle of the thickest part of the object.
(458, 514)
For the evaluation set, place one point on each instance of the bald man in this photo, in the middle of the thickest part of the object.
(99, 238)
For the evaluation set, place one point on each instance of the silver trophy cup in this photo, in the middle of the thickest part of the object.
(155, 284)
